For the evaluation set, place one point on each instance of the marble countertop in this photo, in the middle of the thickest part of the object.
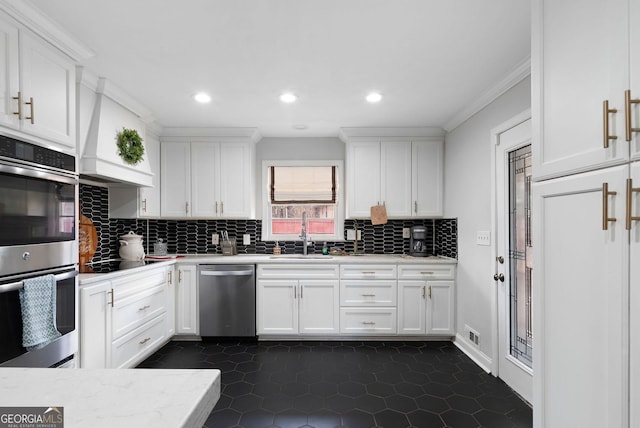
(91, 278)
(116, 397)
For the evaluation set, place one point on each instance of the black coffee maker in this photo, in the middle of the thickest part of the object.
(418, 241)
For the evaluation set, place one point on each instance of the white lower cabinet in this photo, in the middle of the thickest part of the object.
(426, 306)
(123, 320)
(186, 300)
(368, 299)
(297, 299)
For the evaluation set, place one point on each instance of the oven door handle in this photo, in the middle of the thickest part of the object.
(12, 286)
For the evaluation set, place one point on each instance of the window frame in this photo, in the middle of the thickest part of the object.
(267, 234)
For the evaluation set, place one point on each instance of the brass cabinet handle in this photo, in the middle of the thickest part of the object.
(368, 295)
(144, 205)
(143, 308)
(630, 191)
(221, 208)
(186, 207)
(145, 340)
(295, 292)
(368, 272)
(429, 292)
(415, 207)
(368, 323)
(427, 272)
(31, 105)
(605, 119)
(180, 276)
(627, 114)
(216, 207)
(19, 99)
(605, 206)
(170, 276)
(111, 301)
(301, 292)
(424, 291)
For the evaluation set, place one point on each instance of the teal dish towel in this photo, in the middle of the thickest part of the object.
(38, 302)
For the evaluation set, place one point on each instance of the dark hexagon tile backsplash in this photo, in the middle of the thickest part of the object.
(194, 236)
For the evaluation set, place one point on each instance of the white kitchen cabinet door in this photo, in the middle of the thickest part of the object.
(171, 301)
(395, 179)
(412, 303)
(579, 60)
(319, 306)
(277, 307)
(363, 178)
(235, 180)
(186, 301)
(580, 295)
(175, 180)
(634, 73)
(205, 184)
(427, 179)
(48, 91)
(9, 77)
(96, 303)
(634, 298)
(440, 307)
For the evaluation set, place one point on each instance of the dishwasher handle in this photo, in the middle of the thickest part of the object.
(226, 272)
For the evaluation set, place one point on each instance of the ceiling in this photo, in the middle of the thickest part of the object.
(428, 58)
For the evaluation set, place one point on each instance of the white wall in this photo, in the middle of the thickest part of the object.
(293, 149)
(468, 197)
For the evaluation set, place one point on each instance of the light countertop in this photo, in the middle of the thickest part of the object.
(116, 397)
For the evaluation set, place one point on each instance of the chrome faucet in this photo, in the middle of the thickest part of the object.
(303, 234)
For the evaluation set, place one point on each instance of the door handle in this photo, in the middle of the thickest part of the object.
(498, 277)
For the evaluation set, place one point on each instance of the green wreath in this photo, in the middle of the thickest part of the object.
(130, 147)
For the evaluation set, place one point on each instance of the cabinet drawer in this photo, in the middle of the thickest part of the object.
(134, 347)
(368, 293)
(368, 321)
(368, 272)
(135, 283)
(134, 310)
(427, 272)
(295, 271)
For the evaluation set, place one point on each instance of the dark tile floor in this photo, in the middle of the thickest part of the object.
(348, 385)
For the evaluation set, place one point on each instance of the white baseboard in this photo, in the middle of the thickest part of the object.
(478, 357)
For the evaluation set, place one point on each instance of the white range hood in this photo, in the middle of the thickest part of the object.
(99, 158)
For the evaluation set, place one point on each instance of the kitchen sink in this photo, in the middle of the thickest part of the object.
(301, 256)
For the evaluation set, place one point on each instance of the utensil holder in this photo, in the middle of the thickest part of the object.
(229, 247)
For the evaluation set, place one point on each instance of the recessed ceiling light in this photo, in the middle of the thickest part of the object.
(288, 97)
(201, 97)
(374, 97)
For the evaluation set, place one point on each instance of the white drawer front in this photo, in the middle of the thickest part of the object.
(133, 311)
(368, 293)
(131, 284)
(368, 321)
(426, 272)
(134, 347)
(368, 271)
(295, 271)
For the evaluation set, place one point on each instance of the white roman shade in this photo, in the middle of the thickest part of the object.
(303, 184)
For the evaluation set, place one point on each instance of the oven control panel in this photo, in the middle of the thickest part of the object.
(15, 149)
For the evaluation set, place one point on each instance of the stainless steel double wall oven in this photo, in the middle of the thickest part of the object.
(38, 219)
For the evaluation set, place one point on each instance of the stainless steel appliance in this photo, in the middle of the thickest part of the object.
(418, 241)
(227, 299)
(38, 217)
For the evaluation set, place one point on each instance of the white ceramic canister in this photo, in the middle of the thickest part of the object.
(131, 247)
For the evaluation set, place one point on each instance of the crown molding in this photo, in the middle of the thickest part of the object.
(520, 72)
(349, 134)
(174, 133)
(32, 18)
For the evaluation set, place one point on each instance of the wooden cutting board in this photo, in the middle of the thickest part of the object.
(378, 214)
(88, 239)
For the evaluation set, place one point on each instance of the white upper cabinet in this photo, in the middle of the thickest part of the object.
(207, 180)
(38, 87)
(404, 176)
(580, 60)
(175, 180)
(634, 73)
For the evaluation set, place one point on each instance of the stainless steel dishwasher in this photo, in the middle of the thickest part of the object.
(227, 300)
